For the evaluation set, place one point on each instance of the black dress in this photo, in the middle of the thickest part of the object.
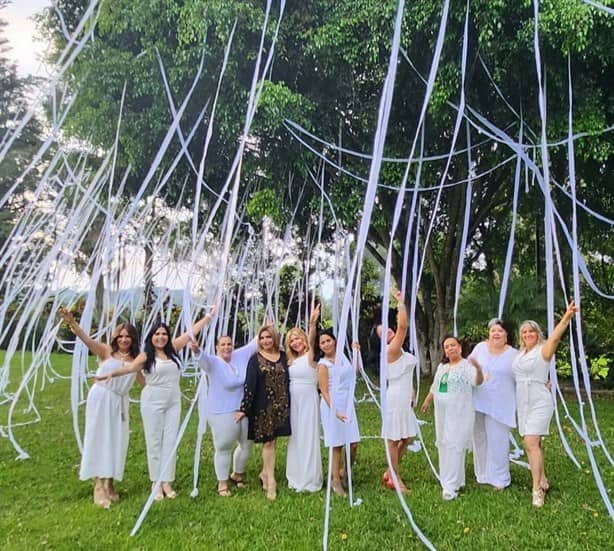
(266, 398)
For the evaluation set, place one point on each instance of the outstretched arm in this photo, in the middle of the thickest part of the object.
(312, 335)
(181, 341)
(395, 347)
(101, 350)
(133, 367)
(552, 343)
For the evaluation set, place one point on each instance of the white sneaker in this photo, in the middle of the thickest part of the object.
(448, 496)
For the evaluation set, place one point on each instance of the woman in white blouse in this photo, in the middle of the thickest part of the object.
(533, 399)
(494, 402)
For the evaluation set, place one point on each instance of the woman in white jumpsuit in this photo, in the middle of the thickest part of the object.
(454, 415)
(161, 400)
(534, 402)
(105, 442)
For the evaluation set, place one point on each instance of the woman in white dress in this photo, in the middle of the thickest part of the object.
(534, 402)
(495, 406)
(105, 442)
(226, 374)
(161, 399)
(303, 461)
(400, 427)
(454, 415)
(336, 380)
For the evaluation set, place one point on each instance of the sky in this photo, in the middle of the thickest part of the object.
(20, 31)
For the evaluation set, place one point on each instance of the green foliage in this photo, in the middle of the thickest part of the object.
(599, 368)
(264, 204)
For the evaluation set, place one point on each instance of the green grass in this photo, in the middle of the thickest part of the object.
(44, 505)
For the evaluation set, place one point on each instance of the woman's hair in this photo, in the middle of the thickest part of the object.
(505, 326)
(134, 337)
(295, 331)
(150, 351)
(444, 358)
(533, 325)
(318, 354)
(375, 348)
(273, 331)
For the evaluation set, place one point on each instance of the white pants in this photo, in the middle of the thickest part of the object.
(451, 469)
(161, 410)
(226, 433)
(491, 446)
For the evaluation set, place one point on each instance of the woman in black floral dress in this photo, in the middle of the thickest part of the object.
(266, 402)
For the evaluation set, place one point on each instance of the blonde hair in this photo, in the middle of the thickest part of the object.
(273, 331)
(299, 333)
(535, 327)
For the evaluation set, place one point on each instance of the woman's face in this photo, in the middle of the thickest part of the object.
(389, 333)
(452, 349)
(160, 338)
(224, 348)
(124, 341)
(297, 344)
(497, 335)
(265, 341)
(528, 336)
(327, 345)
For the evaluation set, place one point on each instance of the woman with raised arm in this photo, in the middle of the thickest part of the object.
(226, 374)
(454, 415)
(105, 442)
(336, 376)
(494, 402)
(266, 402)
(161, 399)
(400, 426)
(534, 402)
(304, 461)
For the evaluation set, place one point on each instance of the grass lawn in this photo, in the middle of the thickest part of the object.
(44, 505)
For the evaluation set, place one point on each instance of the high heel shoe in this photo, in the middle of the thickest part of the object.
(538, 497)
(101, 498)
(337, 487)
(168, 491)
(271, 491)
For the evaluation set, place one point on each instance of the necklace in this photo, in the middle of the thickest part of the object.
(123, 355)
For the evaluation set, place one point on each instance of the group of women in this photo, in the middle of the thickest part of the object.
(478, 400)
(260, 392)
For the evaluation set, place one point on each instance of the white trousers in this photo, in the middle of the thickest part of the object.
(491, 446)
(226, 433)
(161, 410)
(451, 469)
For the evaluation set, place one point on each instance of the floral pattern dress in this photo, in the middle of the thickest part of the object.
(266, 398)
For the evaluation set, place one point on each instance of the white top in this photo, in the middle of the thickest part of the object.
(301, 373)
(496, 396)
(530, 366)
(163, 374)
(226, 379)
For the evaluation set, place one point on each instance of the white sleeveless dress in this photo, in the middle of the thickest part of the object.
(304, 462)
(341, 377)
(400, 417)
(105, 442)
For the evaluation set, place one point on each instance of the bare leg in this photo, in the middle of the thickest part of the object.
(268, 469)
(532, 445)
(336, 484)
(111, 492)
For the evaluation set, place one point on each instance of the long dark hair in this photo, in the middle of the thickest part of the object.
(317, 353)
(168, 348)
(134, 337)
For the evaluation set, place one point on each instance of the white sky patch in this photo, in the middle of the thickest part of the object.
(20, 32)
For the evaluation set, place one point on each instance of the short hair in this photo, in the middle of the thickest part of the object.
(444, 358)
(505, 326)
